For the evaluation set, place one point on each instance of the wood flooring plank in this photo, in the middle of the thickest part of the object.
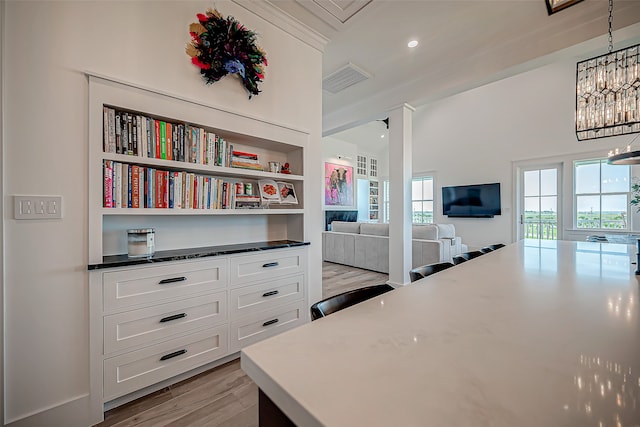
(246, 418)
(222, 410)
(131, 409)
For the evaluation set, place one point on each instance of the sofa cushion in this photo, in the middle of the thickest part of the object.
(345, 227)
(374, 229)
(425, 232)
(446, 231)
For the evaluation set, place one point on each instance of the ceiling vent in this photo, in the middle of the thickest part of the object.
(344, 77)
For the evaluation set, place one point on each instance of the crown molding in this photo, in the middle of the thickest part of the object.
(266, 10)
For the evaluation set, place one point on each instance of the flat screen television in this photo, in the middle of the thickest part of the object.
(471, 201)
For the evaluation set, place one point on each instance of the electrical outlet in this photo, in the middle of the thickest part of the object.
(37, 207)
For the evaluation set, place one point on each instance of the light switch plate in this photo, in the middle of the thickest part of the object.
(37, 207)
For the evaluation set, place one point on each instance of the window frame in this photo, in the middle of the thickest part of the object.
(628, 213)
(423, 178)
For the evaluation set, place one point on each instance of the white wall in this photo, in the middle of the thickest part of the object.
(474, 137)
(47, 47)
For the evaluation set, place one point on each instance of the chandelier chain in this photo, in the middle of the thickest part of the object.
(610, 26)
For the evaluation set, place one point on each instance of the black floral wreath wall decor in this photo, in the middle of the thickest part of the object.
(221, 46)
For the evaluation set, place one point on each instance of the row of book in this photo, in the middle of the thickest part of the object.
(138, 135)
(135, 186)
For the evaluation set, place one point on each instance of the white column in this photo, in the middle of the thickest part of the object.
(400, 147)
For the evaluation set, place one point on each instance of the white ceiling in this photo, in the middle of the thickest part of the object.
(463, 44)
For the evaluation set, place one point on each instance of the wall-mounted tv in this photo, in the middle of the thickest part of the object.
(471, 201)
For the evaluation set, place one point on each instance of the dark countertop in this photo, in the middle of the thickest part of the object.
(111, 261)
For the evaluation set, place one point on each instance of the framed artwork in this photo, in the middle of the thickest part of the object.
(338, 185)
(554, 6)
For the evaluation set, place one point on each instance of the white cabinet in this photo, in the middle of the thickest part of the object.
(265, 266)
(222, 277)
(148, 285)
(261, 308)
(265, 295)
(143, 326)
(143, 367)
(258, 326)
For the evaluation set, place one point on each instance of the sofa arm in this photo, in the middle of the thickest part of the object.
(455, 245)
(429, 251)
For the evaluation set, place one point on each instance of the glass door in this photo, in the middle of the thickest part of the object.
(539, 210)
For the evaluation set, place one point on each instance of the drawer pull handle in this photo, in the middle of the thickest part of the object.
(270, 322)
(270, 264)
(268, 294)
(174, 354)
(174, 317)
(172, 280)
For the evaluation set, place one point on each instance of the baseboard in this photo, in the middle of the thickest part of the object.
(396, 285)
(72, 413)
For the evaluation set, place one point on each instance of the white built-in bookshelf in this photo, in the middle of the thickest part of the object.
(270, 142)
(156, 321)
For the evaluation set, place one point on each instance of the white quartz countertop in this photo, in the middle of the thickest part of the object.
(539, 333)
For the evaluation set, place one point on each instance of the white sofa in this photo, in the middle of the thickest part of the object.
(366, 245)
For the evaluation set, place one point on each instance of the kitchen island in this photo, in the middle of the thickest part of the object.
(536, 333)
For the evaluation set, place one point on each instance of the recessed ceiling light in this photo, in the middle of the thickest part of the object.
(382, 136)
(413, 43)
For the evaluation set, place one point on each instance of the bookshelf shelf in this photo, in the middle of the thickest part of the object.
(198, 212)
(218, 171)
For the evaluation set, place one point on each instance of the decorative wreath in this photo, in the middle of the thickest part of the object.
(220, 46)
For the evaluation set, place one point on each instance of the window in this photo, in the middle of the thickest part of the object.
(422, 200)
(361, 165)
(601, 195)
(373, 167)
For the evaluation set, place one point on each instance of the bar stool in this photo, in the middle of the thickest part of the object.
(459, 259)
(427, 270)
(466, 257)
(347, 299)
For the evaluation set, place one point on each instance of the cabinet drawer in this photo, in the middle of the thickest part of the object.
(148, 285)
(264, 296)
(145, 325)
(257, 327)
(135, 370)
(267, 265)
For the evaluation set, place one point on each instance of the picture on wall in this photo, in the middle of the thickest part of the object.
(338, 188)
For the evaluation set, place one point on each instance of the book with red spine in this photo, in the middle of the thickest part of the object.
(244, 155)
(165, 189)
(108, 184)
(158, 189)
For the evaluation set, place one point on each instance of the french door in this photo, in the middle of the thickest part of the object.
(539, 207)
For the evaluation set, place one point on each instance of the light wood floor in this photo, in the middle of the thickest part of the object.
(224, 396)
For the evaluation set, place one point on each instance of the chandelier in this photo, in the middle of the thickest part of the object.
(608, 92)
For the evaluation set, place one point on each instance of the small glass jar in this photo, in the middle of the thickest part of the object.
(141, 242)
